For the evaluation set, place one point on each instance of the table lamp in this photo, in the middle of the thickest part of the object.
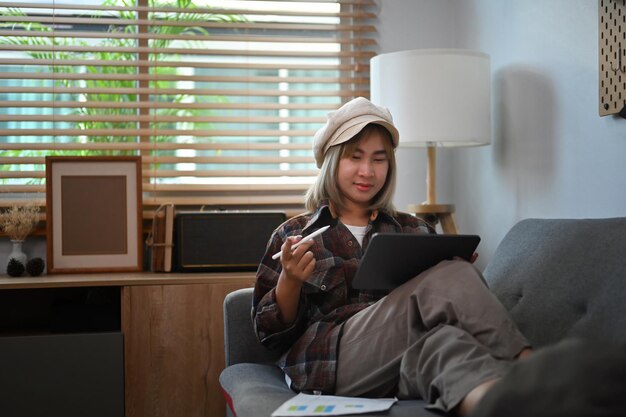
(437, 97)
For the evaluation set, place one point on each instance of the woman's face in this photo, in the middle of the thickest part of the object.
(362, 174)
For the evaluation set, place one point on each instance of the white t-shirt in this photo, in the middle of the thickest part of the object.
(358, 232)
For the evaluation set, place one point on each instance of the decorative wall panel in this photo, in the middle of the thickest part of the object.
(612, 56)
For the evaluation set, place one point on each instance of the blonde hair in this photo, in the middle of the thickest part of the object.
(325, 185)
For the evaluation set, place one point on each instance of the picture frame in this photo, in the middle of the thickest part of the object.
(94, 214)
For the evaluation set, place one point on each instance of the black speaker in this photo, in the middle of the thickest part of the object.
(222, 240)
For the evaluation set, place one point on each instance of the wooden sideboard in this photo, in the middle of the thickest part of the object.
(172, 327)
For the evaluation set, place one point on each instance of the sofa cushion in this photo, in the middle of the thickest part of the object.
(563, 278)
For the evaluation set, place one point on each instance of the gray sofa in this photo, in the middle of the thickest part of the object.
(560, 279)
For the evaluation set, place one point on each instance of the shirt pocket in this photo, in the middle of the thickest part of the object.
(327, 275)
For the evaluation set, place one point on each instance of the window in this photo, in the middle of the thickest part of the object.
(221, 98)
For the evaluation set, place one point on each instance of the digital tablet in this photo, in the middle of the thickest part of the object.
(391, 259)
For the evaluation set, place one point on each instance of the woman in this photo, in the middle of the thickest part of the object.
(442, 336)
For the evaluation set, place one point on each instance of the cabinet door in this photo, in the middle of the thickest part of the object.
(69, 375)
(174, 349)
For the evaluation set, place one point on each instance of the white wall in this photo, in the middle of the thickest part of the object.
(552, 155)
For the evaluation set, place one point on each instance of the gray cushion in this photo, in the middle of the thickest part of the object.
(563, 278)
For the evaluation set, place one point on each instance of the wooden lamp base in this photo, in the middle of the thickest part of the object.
(430, 211)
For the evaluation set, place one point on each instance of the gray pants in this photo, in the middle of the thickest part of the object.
(436, 337)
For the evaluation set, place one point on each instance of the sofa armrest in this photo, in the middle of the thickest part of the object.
(253, 389)
(240, 341)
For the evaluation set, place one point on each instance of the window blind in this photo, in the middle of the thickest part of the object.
(220, 98)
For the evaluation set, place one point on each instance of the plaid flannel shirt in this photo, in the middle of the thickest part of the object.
(327, 300)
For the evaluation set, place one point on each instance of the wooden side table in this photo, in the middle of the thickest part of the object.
(436, 213)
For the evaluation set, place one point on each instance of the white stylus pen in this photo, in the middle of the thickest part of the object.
(304, 239)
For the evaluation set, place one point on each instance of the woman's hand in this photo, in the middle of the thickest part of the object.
(297, 268)
(471, 260)
(298, 264)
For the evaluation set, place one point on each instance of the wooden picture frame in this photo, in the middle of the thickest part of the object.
(94, 214)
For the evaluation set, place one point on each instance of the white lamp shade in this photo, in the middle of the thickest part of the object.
(437, 97)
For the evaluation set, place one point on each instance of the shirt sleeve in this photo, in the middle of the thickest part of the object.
(414, 224)
(270, 328)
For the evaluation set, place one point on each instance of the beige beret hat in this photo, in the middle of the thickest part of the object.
(344, 123)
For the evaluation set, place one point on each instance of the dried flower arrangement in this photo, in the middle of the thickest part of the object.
(18, 221)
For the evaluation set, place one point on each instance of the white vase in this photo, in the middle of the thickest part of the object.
(17, 253)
